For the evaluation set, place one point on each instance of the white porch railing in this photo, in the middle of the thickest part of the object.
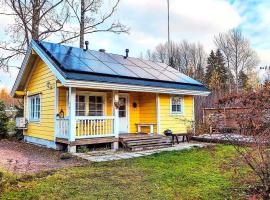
(62, 127)
(87, 127)
(94, 126)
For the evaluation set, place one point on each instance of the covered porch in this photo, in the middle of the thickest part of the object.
(89, 116)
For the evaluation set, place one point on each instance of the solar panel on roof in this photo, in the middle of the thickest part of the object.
(120, 59)
(90, 61)
(97, 66)
(121, 70)
(138, 62)
(102, 56)
(152, 64)
(55, 48)
(71, 63)
(141, 73)
(80, 53)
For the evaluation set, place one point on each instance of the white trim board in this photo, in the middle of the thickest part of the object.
(134, 88)
(41, 142)
(126, 95)
(158, 113)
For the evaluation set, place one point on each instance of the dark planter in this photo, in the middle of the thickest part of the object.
(168, 132)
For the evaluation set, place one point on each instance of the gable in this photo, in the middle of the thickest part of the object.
(40, 77)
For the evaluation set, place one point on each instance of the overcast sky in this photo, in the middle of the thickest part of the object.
(192, 20)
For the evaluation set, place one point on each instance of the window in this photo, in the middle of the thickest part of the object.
(34, 108)
(176, 105)
(80, 105)
(122, 107)
(95, 106)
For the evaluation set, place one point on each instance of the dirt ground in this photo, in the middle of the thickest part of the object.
(20, 157)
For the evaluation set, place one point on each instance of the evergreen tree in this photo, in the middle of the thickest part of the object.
(221, 69)
(243, 81)
(216, 67)
(215, 81)
(211, 65)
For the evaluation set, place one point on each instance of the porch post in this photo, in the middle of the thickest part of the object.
(115, 99)
(72, 119)
(56, 94)
(158, 113)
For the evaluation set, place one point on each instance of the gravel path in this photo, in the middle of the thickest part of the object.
(104, 156)
(21, 157)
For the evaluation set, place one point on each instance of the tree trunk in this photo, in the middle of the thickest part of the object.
(35, 19)
(82, 23)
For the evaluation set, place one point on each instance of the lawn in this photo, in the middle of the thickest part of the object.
(190, 174)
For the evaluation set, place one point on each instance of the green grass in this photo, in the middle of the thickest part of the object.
(190, 174)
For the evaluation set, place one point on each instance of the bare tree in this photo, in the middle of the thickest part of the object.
(237, 51)
(88, 15)
(188, 58)
(33, 19)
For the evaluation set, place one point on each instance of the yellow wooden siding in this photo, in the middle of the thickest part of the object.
(176, 123)
(148, 110)
(62, 100)
(134, 113)
(43, 129)
(109, 104)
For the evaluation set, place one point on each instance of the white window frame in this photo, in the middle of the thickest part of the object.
(36, 117)
(182, 106)
(87, 94)
(96, 110)
(85, 111)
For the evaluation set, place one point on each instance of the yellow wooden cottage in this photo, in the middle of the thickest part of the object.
(76, 96)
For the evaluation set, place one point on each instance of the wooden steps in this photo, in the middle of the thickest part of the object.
(144, 142)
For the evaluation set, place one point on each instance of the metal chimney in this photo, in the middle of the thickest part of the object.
(127, 51)
(86, 45)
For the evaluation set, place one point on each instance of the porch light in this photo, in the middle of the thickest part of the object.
(134, 105)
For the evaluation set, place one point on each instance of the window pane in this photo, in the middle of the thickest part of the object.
(92, 99)
(99, 113)
(80, 105)
(92, 106)
(81, 113)
(99, 99)
(92, 113)
(99, 107)
(95, 105)
(174, 108)
(178, 108)
(81, 98)
(122, 113)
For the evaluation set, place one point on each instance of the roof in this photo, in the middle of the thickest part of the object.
(73, 64)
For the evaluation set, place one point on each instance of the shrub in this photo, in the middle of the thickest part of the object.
(202, 128)
(253, 120)
(3, 120)
(83, 149)
(11, 124)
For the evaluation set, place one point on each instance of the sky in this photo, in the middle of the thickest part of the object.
(191, 20)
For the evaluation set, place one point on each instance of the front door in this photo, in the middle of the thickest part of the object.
(123, 114)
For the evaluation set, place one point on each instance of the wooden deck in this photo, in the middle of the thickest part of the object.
(129, 141)
(139, 142)
(87, 141)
